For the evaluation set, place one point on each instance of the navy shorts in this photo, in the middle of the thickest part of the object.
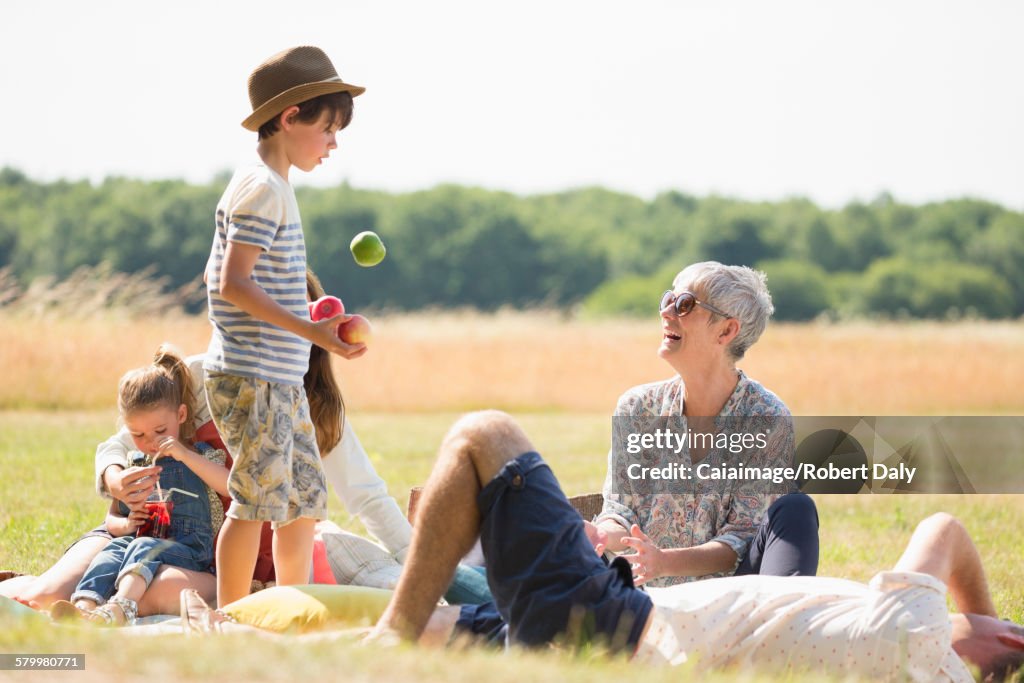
(548, 583)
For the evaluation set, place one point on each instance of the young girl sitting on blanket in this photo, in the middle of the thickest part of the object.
(157, 405)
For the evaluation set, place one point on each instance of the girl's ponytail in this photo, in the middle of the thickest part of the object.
(166, 382)
(168, 358)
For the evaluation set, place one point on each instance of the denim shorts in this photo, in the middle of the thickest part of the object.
(548, 583)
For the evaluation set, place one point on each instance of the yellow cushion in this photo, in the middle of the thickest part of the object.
(309, 608)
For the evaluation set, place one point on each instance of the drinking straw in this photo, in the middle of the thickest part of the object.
(187, 493)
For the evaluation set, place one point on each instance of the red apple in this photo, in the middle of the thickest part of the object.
(325, 307)
(356, 330)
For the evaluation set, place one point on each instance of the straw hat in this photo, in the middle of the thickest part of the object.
(291, 77)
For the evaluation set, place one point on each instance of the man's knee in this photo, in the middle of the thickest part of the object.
(490, 432)
(942, 523)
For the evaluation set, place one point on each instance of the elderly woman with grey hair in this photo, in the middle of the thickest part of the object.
(697, 529)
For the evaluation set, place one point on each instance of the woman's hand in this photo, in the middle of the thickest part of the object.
(649, 560)
(597, 536)
(132, 485)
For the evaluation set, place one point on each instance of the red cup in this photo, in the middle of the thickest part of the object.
(158, 525)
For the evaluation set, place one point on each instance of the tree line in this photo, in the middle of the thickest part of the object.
(590, 249)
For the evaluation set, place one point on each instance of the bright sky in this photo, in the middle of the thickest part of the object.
(759, 100)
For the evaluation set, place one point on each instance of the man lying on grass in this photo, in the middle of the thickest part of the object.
(550, 585)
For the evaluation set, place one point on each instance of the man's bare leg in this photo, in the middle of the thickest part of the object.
(447, 519)
(942, 547)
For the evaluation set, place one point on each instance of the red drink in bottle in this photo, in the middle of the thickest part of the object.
(158, 525)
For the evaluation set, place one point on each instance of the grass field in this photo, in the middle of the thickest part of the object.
(559, 378)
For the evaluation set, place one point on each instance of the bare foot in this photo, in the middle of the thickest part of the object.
(382, 636)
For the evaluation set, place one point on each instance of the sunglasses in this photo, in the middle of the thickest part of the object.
(684, 303)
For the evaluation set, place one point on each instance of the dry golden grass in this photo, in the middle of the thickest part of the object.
(56, 362)
(914, 368)
(541, 361)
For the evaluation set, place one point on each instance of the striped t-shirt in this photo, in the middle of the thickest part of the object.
(259, 208)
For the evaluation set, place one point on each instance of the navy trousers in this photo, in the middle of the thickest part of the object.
(786, 543)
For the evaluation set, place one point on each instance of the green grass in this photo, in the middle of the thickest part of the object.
(47, 497)
(47, 500)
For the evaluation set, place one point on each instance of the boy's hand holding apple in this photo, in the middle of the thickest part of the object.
(351, 332)
(325, 334)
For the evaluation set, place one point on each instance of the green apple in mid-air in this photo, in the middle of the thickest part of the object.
(367, 249)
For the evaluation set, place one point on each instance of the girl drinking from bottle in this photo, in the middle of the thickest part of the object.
(157, 406)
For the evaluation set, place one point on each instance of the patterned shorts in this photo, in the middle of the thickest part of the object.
(277, 475)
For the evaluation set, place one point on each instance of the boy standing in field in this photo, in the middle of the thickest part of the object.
(259, 350)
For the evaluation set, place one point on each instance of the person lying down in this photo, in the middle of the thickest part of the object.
(902, 608)
(548, 578)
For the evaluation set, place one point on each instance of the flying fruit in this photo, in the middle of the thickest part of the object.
(367, 249)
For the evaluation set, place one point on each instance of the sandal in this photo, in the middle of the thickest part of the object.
(125, 615)
(62, 610)
(198, 618)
